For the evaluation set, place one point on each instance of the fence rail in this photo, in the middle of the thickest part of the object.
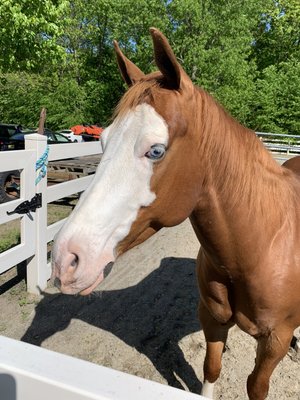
(280, 143)
(28, 372)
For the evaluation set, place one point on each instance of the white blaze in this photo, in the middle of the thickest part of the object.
(121, 186)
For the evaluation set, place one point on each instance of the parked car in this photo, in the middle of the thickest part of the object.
(9, 185)
(17, 141)
(71, 135)
(6, 132)
(56, 138)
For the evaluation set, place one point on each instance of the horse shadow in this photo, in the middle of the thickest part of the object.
(151, 316)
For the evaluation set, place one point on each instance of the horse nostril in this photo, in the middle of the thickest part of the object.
(57, 283)
(108, 269)
(74, 262)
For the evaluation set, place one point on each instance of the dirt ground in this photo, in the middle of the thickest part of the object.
(142, 320)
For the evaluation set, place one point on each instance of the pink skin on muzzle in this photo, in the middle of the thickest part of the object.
(75, 270)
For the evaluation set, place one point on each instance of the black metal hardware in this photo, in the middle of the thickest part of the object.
(27, 206)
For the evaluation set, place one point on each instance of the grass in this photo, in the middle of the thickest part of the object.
(60, 210)
(9, 235)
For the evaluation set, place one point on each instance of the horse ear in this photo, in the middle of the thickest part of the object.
(166, 61)
(129, 71)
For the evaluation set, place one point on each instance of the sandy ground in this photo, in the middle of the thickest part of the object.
(142, 320)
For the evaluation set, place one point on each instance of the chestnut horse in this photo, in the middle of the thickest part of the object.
(293, 164)
(172, 152)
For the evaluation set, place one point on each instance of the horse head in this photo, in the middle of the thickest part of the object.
(143, 180)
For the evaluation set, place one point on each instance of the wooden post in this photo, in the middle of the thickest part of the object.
(42, 120)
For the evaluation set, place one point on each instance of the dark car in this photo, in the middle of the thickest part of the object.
(17, 141)
(6, 132)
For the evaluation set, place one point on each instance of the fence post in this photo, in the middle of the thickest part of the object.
(37, 271)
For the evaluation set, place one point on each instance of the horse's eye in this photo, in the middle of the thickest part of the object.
(156, 152)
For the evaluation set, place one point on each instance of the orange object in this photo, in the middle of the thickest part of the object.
(92, 130)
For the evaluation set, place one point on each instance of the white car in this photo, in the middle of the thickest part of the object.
(71, 135)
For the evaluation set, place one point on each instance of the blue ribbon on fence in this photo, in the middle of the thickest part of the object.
(41, 165)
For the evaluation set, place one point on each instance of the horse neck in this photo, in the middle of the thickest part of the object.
(243, 187)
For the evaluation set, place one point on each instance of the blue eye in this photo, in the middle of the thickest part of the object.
(156, 152)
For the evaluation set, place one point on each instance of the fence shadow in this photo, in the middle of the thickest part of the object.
(152, 316)
(20, 276)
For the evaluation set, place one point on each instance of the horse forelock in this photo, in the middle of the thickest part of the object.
(141, 92)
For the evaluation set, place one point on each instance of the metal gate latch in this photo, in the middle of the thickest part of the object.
(27, 206)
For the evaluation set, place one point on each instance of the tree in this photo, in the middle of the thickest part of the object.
(20, 98)
(29, 32)
(278, 37)
(23, 95)
(278, 109)
(214, 41)
(92, 26)
(244, 53)
(277, 55)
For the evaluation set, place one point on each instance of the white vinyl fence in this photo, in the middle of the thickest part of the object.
(35, 234)
(29, 372)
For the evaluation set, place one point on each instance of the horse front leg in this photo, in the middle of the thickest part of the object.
(270, 350)
(215, 314)
(215, 335)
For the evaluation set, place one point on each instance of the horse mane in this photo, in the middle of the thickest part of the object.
(236, 152)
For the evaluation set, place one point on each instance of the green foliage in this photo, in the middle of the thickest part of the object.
(28, 33)
(279, 99)
(59, 54)
(278, 35)
(65, 103)
(214, 40)
(23, 95)
(20, 98)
